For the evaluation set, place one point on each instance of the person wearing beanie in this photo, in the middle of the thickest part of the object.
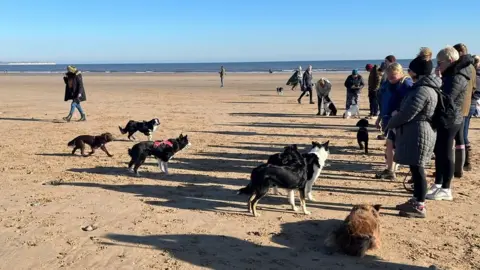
(415, 137)
(456, 74)
(368, 67)
(373, 85)
(469, 107)
(75, 92)
(393, 92)
(354, 84)
(307, 85)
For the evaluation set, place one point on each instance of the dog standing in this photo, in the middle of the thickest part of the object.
(352, 111)
(292, 175)
(362, 134)
(280, 91)
(359, 232)
(145, 127)
(163, 151)
(94, 142)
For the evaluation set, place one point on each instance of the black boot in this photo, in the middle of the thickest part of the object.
(83, 117)
(459, 162)
(68, 118)
(468, 151)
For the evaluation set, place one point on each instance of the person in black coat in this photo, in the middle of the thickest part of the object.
(354, 84)
(75, 92)
(307, 85)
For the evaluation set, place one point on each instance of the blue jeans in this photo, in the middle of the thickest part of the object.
(77, 106)
(466, 125)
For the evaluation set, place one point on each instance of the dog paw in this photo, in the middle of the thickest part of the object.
(257, 215)
(295, 209)
(307, 212)
(312, 199)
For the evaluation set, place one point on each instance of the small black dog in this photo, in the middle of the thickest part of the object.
(163, 151)
(293, 175)
(145, 127)
(94, 142)
(362, 134)
(280, 90)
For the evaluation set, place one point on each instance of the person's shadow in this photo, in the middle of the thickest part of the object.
(301, 248)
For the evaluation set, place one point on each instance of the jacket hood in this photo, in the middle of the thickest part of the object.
(430, 80)
(462, 66)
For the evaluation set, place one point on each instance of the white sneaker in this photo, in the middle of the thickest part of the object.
(433, 188)
(441, 195)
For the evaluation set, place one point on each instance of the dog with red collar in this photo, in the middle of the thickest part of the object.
(163, 151)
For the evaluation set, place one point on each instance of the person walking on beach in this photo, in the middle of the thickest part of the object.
(296, 79)
(415, 140)
(307, 85)
(354, 84)
(222, 74)
(456, 74)
(469, 107)
(75, 92)
(373, 85)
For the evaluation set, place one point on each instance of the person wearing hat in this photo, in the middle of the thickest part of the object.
(373, 85)
(75, 92)
(354, 84)
(415, 137)
(456, 74)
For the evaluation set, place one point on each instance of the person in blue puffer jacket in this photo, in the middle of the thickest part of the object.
(394, 89)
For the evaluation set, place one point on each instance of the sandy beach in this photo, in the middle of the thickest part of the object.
(192, 218)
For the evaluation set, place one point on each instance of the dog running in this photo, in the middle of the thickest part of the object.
(94, 142)
(280, 91)
(163, 151)
(362, 134)
(359, 232)
(145, 127)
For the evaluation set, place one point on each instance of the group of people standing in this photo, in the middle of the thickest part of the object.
(426, 113)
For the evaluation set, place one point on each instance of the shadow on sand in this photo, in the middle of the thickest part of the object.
(301, 247)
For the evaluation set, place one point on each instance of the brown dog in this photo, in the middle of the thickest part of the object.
(359, 232)
(94, 142)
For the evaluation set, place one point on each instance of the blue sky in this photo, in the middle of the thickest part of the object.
(89, 31)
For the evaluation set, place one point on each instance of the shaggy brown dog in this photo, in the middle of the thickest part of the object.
(93, 141)
(359, 232)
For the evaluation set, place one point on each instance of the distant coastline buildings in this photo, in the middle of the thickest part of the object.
(27, 63)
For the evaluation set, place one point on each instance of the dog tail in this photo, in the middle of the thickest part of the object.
(248, 190)
(359, 244)
(71, 143)
(122, 130)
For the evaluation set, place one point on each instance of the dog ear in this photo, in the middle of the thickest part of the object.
(325, 145)
(377, 207)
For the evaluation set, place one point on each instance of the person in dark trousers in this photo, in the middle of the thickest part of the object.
(373, 85)
(307, 85)
(456, 74)
(415, 139)
(467, 112)
(75, 92)
(354, 84)
(222, 74)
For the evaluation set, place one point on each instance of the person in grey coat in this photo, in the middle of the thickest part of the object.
(415, 137)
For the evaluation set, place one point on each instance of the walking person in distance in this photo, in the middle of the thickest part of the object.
(75, 92)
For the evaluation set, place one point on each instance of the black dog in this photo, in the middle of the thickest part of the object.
(94, 142)
(293, 175)
(362, 134)
(145, 127)
(280, 90)
(163, 151)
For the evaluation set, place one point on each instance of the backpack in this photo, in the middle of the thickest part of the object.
(444, 114)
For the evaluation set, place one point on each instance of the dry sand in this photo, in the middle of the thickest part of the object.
(192, 218)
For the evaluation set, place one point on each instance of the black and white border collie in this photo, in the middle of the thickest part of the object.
(315, 159)
(146, 127)
(163, 151)
(280, 90)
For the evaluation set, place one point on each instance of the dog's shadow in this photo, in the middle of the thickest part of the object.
(301, 247)
(58, 155)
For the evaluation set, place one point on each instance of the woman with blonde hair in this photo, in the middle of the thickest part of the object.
(393, 92)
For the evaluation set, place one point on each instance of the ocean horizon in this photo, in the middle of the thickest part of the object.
(231, 67)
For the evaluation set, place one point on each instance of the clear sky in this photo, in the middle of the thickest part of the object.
(121, 31)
